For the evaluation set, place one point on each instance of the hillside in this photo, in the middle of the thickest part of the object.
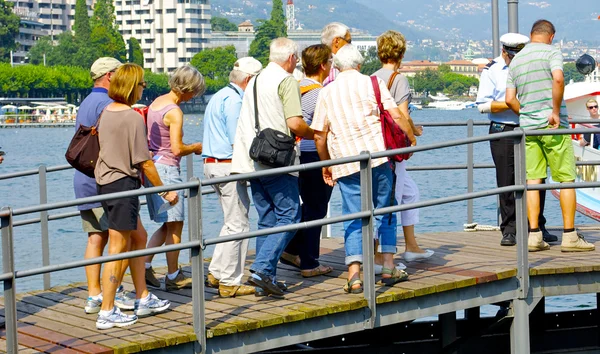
(452, 19)
(314, 14)
(436, 19)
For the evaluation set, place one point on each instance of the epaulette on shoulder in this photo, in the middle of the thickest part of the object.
(489, 65)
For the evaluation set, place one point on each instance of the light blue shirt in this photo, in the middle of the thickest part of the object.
(492, 87)
(220, 122)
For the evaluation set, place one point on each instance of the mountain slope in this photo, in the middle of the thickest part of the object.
(471, 19)
(314, 14)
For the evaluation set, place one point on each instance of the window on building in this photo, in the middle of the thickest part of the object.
(171, 11)
(159, 30)
(149, 60)
(149, 40)
(159, 11)
(183, 60)
(159, 50)
(146, 51)
(171, 30)
(171, 50)
(142, 12)
(148, 21)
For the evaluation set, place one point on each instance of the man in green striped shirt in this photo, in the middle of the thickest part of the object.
(536, 77)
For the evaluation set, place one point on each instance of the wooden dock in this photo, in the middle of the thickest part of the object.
(469, 269)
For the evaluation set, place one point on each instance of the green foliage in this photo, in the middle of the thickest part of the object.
(222, 24)
(571, 73)
(104, 15)
(81, 27)
(433, 81)
(9, 29)
(372, 63)
(267, 31)
(135, 55)
(156, 85)
(107, 44)
(215, 64)
(44, 81)
(259, 48)
(278, 19)
(41, 47)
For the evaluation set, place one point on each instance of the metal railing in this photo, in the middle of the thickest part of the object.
(197, 243)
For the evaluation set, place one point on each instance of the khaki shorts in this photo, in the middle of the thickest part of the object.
(94, 220)
(555, 151)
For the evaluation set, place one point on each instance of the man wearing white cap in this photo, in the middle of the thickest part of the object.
(220, 123)
(491, 100)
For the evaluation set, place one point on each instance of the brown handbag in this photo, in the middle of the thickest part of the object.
(84, 149)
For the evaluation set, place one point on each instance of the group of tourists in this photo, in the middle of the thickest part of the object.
(332, 112)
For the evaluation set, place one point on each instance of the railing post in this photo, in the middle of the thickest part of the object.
(189, 166)
(195, 226)
(470, 171)
(44, 224)
(519, 332)
(8, 266)
(366, 200)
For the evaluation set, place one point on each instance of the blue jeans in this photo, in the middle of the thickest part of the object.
(277, 203)
(382, 197)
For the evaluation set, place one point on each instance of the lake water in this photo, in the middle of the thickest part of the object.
(29, 148)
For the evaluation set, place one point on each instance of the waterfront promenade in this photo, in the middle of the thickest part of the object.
(470, 269)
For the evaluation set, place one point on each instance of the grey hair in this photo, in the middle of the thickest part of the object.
(187, 79)
(281, 48)
(348, 57)
(332, 31)
(237, 76)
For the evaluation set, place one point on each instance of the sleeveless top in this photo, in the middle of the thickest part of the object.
(159, 136)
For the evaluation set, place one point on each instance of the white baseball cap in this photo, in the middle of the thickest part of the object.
(103, 66)
(248, 65)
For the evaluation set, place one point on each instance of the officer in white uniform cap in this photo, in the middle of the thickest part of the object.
(491, 100)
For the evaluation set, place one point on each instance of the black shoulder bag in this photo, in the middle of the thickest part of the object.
(84, 149)
(271, 147)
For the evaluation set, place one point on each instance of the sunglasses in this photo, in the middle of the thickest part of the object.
(143, 84)
(593, 107)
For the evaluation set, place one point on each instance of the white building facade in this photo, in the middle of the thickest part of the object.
(170, 32)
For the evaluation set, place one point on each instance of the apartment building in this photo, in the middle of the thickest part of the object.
(170, 32)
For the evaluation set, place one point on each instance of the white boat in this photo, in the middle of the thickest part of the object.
(588, 199)
(448, 105)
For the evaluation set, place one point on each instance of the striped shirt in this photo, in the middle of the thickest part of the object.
(309, 101)
(530, 72)
(347, 107)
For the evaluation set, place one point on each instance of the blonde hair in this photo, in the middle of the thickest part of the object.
(124, 84)
(187, 79)
(391, 47)
(591, 100)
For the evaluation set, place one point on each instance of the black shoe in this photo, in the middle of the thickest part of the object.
(508, 240)
(548, 237)
(260, 292)
(266, 283)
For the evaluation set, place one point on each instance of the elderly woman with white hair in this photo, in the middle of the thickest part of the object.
(346, 122)
(165, 139)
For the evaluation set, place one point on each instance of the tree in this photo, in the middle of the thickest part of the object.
(9, 29)
(222, 24)
(43, 46)
(259, 48)
(105, 36)
(215, 64)
(571, 73)
(269, 29)
(278, 19)
(135, 55)
(372, 63)
(65, 52)
(81, 27)
(428, 81)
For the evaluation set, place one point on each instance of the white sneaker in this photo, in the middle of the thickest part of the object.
(115, 319)
(414, 256)
(574, 242)
(379, 267)
(535, 242)
(151, 306)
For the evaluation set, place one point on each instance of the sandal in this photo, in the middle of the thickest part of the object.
(290, 259)
(349, 286)
(397, 276)
(320, 270)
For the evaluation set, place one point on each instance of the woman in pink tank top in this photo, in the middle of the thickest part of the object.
(165, 141)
